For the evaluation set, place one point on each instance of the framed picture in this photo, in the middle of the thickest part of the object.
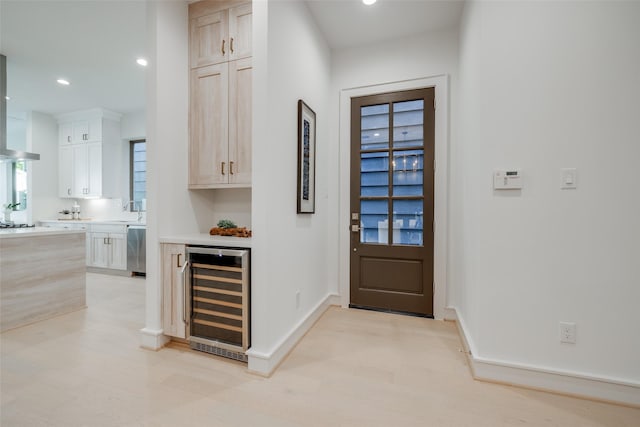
(306, 158)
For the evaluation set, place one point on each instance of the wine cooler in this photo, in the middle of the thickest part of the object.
(219, 301)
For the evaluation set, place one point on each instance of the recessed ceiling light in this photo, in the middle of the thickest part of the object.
(368, 2)
(63, 82)
(142, 62)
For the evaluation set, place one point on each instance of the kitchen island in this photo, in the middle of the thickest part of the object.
(42, 274)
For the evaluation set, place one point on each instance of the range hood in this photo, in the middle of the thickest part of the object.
(6, 153)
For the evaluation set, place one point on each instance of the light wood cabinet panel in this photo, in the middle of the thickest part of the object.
(173, 316)
(240, 21)
(209, 42)
(220, 106)
(240, 108)
(208, 148)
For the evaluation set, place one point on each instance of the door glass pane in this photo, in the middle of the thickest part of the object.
(408, 128)
(374, 127)
(374, 174)
(408, 172)
(374, 219)
(407, 222)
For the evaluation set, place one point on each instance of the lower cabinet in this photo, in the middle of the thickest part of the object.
(107, 246)
(174, 312)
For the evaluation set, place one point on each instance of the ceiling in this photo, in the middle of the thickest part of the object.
(348, 23)
(94, 44)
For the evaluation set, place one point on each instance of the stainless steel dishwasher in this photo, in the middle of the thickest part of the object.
(137, 249)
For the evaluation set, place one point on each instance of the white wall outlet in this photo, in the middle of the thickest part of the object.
(568, 332)
(297, 299)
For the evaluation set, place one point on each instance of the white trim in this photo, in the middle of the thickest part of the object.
(264, 363)
(578, 384)
(153, 339)
(441, 186)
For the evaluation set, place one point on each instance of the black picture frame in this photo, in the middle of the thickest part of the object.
(306, 159)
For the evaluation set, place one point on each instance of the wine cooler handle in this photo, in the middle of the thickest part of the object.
(184, 290)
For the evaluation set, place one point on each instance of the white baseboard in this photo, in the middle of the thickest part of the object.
(153, 339)
(264, 363)
(450, 314)
(575, 384)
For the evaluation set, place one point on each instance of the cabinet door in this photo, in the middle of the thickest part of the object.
(65, 133)
(208, 136)
(208, 39)
(240, 31)
(94, 169)
(80, 131)
(173, 290)
(240, 121)
(80, 170)
(99, 250)
(117, 251)
(65, 173)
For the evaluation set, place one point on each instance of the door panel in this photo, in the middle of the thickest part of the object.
(392, 153)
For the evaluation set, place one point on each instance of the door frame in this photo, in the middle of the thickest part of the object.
(441, 185)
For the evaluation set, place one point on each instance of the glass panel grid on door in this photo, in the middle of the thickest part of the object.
(392, 192)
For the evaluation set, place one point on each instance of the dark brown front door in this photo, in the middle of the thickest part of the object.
(392, 158)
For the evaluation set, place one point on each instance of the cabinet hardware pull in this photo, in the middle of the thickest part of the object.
(231, 168)
(222, 168)
(104, 241)
(231, 45)
(178, 258)
(68, 138)
(68, 191)
(223, 48)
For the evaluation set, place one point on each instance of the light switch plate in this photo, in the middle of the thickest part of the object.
(569, 178)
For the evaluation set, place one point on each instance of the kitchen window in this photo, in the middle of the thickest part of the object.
(138, 174)
(15, 190)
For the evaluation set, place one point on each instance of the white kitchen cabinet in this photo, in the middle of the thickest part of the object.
(66, 171)
(81, 130)
(219, 34)
(174, 317)
(107, 246)
(89, 164)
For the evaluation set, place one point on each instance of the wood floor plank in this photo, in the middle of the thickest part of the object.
(354, 368)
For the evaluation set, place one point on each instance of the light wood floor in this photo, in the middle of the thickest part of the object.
(354, 368)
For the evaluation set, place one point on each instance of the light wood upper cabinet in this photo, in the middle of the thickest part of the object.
(240, 32)
(208, 147)
(220, 97)
(209, 39)
(218, 34)
(240, 107)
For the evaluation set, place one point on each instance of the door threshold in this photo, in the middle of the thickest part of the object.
(386, 310)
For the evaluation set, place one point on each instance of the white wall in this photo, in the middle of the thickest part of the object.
(291, 61)
(406, 62)
(42, 138)
(133, 125)
(547, 85)
(168, 203)
(132, 128)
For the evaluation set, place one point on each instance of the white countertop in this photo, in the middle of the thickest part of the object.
(35, 231)
(92, 221)
(208, 240)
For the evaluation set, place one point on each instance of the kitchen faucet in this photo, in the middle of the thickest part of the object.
(133, 203)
